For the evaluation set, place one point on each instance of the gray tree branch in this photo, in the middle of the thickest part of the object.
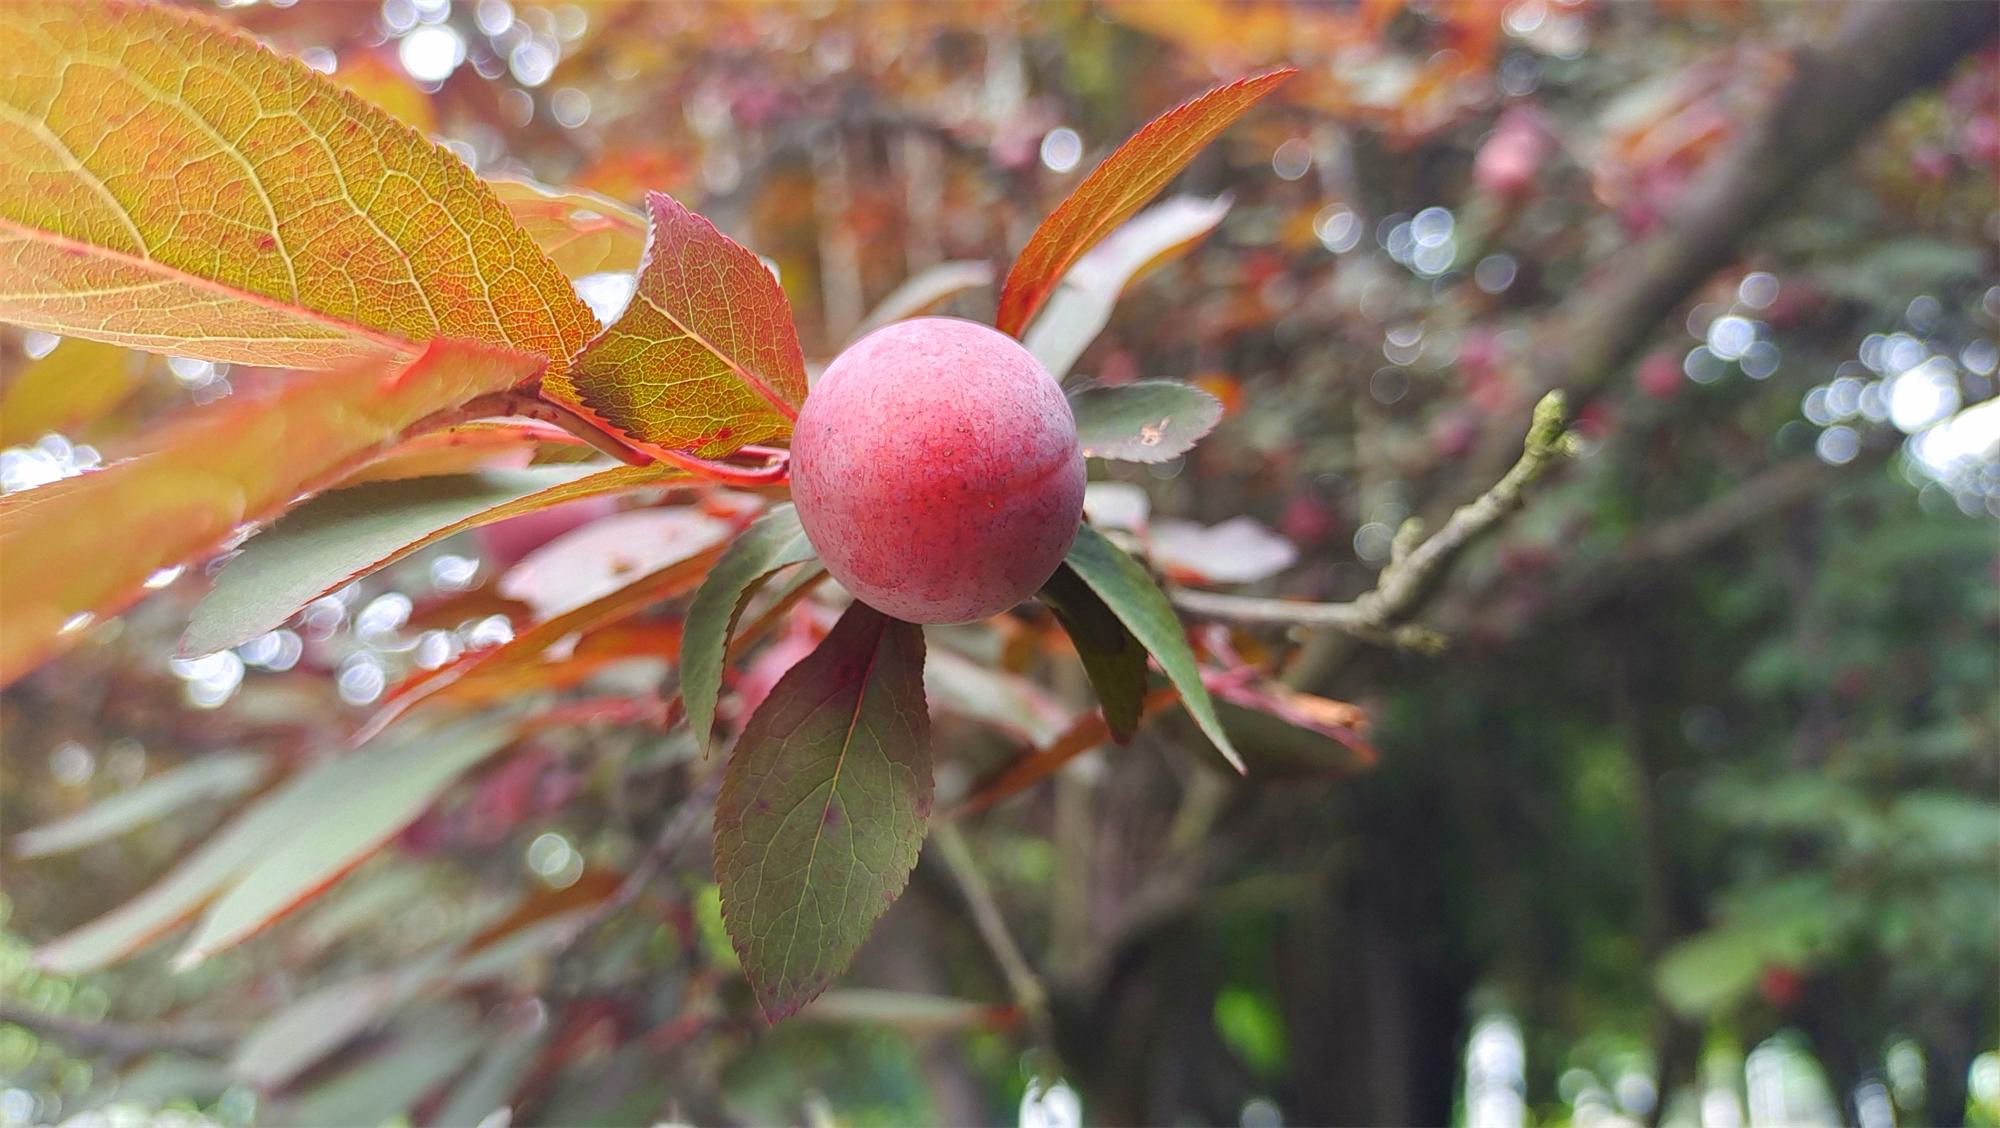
(1416, 568)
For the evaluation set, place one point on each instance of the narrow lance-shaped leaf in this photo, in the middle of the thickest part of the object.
(773, 541)
(359, 802)
(217, 775)
(1147, 421)
(469, 448)
(1125, 586)
(242, 460)
(1112, 657)
(1129, 177)
(175, 897)
(483, 668)
(705, 357)
(1037, 764)
(338, 537)
(925, 291)
(823, 807)
(168, 184)
(581, 232)
(1081, 306)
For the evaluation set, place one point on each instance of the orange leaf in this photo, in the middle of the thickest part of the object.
(78, 384)
(526, 650)
(1128, 178)
(705, 358)
(84, 546)
(471, 447)
(168, 184)
(581, 232)
(1035, 765)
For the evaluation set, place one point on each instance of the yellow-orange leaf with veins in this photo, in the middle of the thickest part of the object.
(168, 184)
(1120, 186)
(705, 358)
(84, 546)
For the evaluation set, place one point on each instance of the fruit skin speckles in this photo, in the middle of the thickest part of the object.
(936, 470)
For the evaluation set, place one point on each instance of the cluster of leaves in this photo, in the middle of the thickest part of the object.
(241, 208)
(1322, 946)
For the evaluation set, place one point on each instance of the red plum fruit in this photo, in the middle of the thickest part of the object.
(936, 470)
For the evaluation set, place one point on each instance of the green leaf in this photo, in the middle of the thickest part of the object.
(1150, 421)
(172, 899)
(773, 541)
(1783, 924)
(1081, 306)
(340, 536)
(1112, 657)
(358, 802)
(823, 807)
(215, 776)
(489, 1085)
(302, 1032)
(1125, 586)
(416, 1059)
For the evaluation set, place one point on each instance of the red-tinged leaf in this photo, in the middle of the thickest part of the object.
(1241, 550)
(1089, 731)
(582, 232)
(525, 651)
(201, 477)
(1123, 184)
(1285, 733)
(72, 387)
(592, 887)
(823, 807)
(1006, 703)
(472, 447)
(704, 358)
(358, 802)
(591, 562)
(509, 680)
(168, 184)
(345, 534)
(908, 1011)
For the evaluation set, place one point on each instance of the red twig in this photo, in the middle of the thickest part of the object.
(772, 468)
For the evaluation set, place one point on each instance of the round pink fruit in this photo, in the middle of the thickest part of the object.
(936, 471)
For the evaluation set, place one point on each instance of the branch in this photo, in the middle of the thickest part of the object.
(1415, 569)
(1837, 93)
(1022, 982)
